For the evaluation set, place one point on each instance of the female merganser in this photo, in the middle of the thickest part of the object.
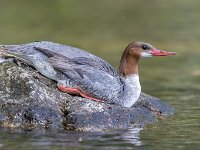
(79, 72)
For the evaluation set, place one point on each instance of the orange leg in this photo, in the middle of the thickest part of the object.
(77, 91)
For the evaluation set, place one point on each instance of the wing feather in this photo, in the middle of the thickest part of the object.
(95, 81)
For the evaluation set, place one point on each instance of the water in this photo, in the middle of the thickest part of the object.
(105, 28)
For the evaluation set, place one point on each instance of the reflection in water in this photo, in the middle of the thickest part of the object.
(123, 139)
(132, 136)
(1, 145)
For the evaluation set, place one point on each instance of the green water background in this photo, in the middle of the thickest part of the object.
(105, 28)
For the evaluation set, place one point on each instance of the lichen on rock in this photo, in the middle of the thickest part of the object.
(30, 101)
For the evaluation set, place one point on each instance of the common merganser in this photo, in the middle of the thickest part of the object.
(79, 72)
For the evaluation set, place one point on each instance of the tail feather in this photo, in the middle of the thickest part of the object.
(5, 54)
(2, 59)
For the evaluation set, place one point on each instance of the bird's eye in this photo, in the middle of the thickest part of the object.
(145, 47)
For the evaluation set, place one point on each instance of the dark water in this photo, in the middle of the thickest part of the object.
(105, 28)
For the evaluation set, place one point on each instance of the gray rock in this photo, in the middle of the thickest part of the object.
(32, 102)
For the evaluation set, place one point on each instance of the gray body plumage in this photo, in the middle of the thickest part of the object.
(73, 67)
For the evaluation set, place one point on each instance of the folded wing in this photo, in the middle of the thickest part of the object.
(96, 81)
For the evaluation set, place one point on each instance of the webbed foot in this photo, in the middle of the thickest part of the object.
(71, 90)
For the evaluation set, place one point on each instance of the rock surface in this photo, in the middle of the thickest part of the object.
(32, 102)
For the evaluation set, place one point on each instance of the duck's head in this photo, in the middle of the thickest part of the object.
(146, 50)
(132, 54)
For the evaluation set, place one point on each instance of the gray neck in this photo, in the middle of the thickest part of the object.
(132, 90)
